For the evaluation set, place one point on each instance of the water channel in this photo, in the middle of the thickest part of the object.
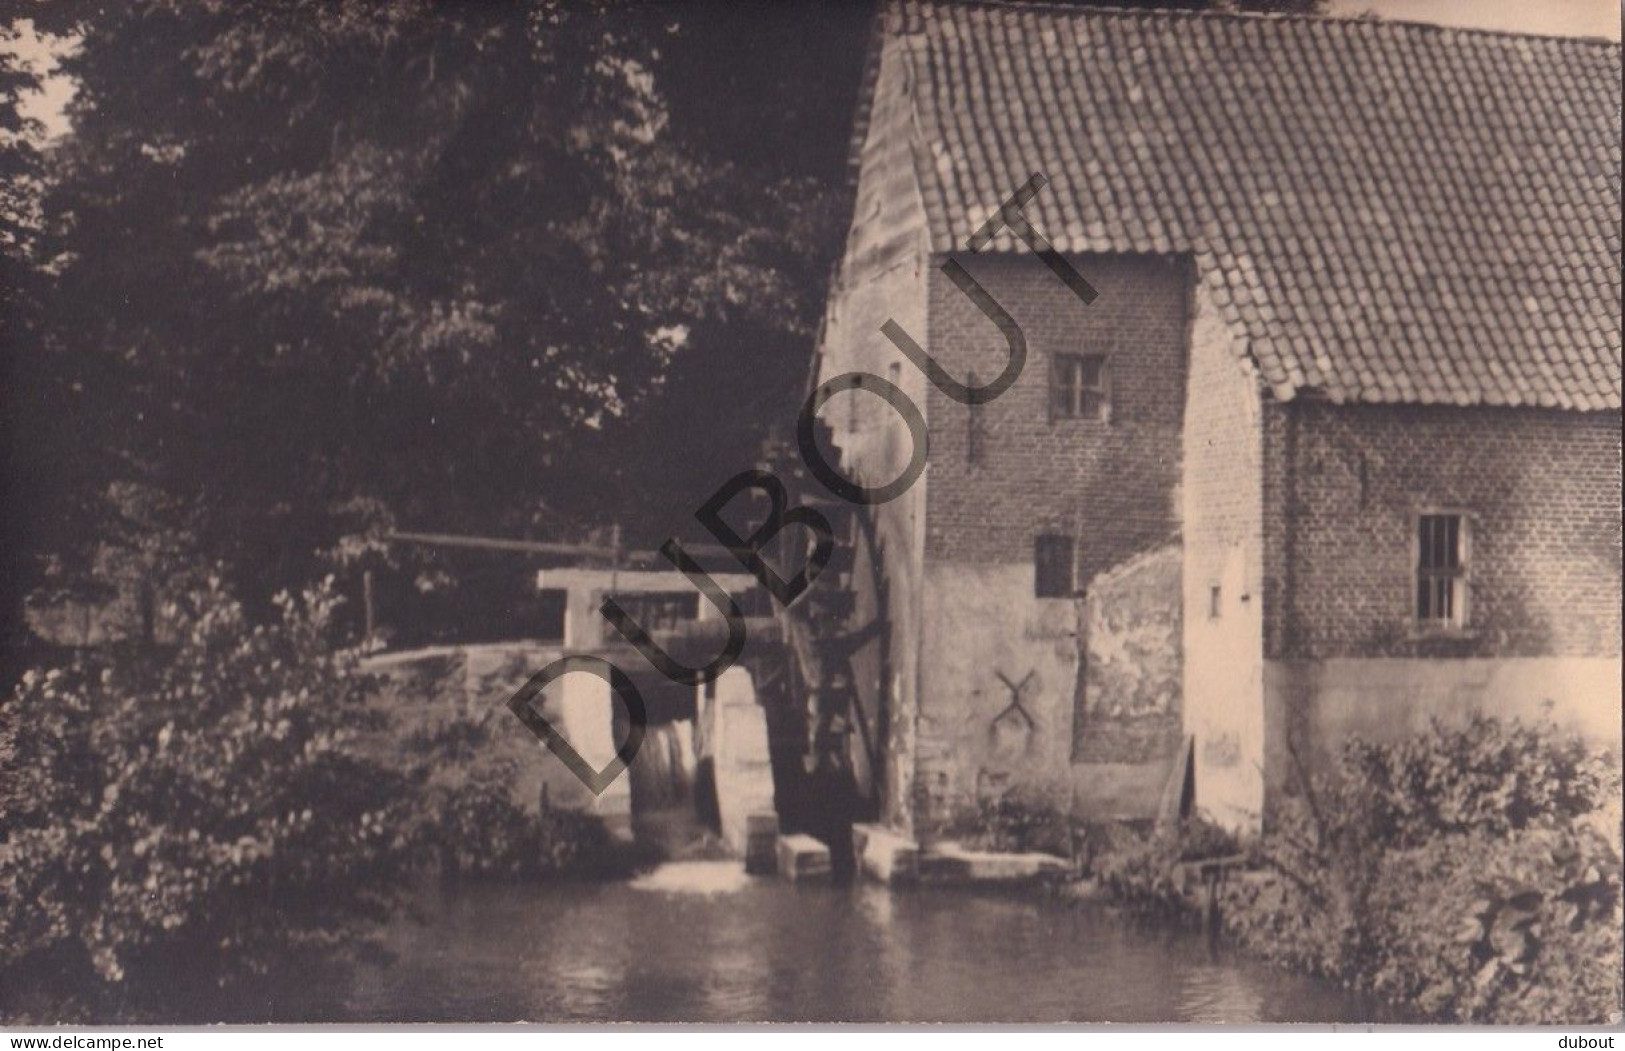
(702, 942)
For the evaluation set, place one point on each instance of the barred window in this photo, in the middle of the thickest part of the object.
(1052, 566)
(1082, 390)
(1441, 570)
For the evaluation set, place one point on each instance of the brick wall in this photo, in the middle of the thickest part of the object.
(1541, 487)
(1113, 485)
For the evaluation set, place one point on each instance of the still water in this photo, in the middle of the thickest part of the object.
(701, 942)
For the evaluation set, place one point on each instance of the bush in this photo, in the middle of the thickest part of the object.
(191, 814)
(1485, 776)
(1459, 874)
(1015, 822)
(477, 830)
(470, 822)
(1144, 870)
(1518, 930)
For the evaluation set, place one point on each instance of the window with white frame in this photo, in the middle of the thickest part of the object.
(1082, 388)
(1442, 547)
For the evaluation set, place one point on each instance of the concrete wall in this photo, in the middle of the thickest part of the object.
(732, 733)
(1223, 629)
(881, 277)
(982, 620)
(1104, 751)
(1320, 705)
(583, 708)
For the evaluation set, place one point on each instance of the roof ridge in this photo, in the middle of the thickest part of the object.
(1090, 10)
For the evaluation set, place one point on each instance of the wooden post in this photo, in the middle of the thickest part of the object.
(1213, 874)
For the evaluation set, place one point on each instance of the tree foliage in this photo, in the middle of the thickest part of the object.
(195, 814)
(39, 494)
(316, 267)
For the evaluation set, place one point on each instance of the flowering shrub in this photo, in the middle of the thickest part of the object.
(1460, 874)
(191, 813)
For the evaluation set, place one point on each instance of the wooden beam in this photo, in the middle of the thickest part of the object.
(486, 543)
(538, 547)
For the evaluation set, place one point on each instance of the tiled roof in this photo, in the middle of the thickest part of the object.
(1383, 211)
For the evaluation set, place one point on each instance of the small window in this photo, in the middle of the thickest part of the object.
(1441, 570)
(1052, 565)
(1081, 387)
(1214, 602)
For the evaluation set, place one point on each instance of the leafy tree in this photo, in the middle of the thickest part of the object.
(374, 262)
(37, 497)
(191, 816)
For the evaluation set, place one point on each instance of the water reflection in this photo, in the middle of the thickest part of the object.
(699, 942)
